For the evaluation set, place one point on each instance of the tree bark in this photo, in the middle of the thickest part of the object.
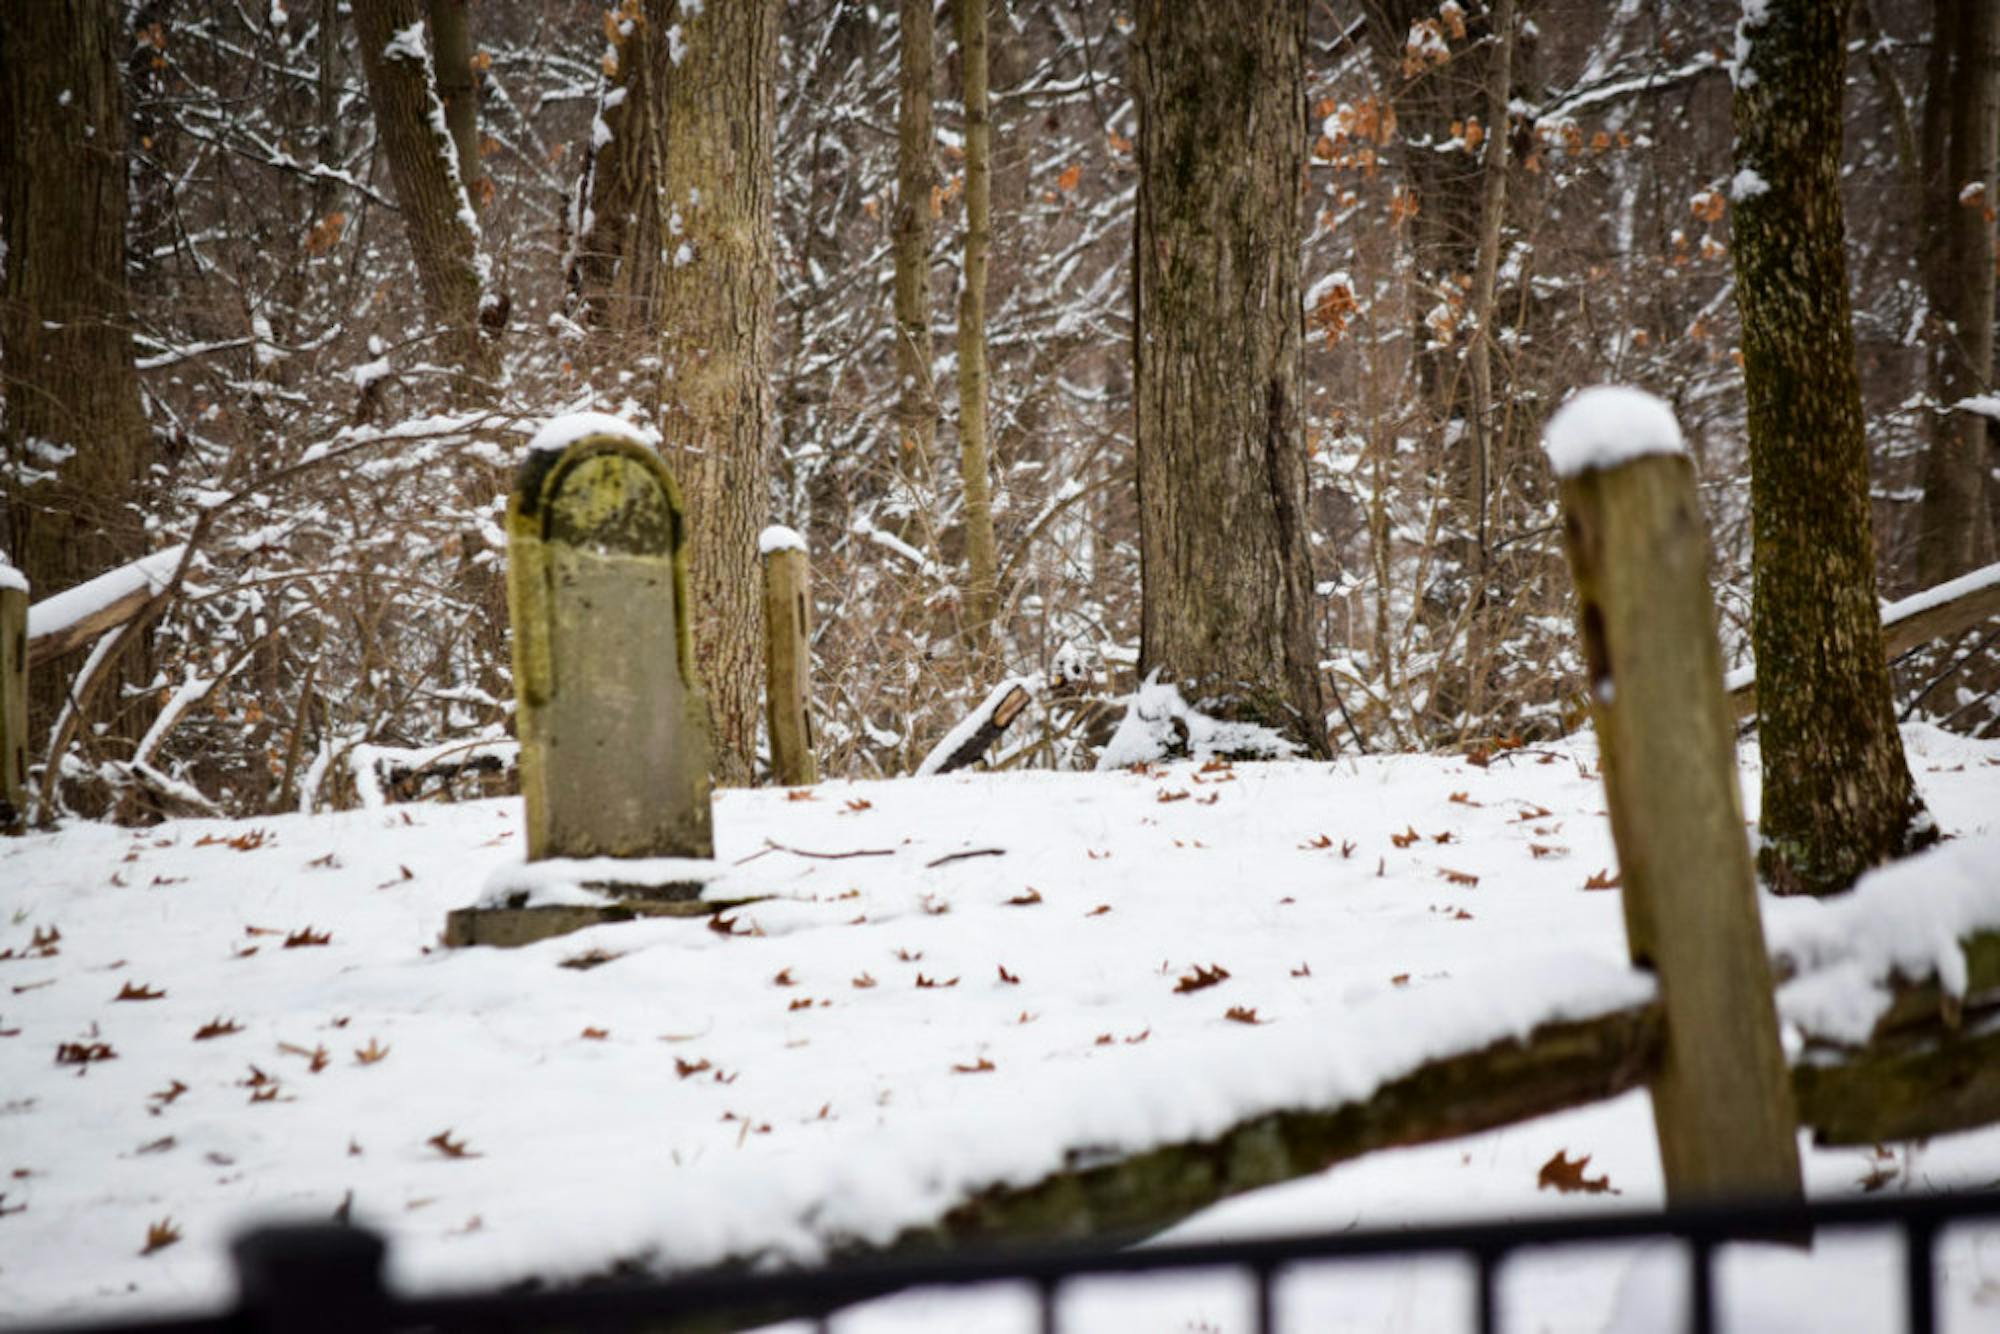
(458, 87)
(718, 295)
(437, 214)
(620, 226)
(1225, 566)
(1483, 438)
(983, 594)
(68, 372)
(1838, 797)
(1956, 529)
(916, 401)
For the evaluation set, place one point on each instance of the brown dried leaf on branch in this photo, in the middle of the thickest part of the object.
(1561, 1174)
(1201, 978)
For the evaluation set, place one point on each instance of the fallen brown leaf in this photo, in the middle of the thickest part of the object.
(160, 1235)
(1201, 978)
(1561, 1174)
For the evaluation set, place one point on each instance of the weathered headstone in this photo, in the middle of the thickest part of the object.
(788, 656)
(1638, 550)
(13, 696)
(613, 727)
(614, 739)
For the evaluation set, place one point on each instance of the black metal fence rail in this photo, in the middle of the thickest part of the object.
(323, 1279)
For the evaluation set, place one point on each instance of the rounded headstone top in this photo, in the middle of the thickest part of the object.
(559, 433)
(1609, 424)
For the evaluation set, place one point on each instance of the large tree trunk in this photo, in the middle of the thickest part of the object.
(718, 295)
(619, 225)
(916, 403)
(983, 595)
(1963, 109)
(1837, 791)
(437, 213)
(1225, 565)
(75, 436)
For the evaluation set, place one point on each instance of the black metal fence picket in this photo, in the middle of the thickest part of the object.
(327, 1279)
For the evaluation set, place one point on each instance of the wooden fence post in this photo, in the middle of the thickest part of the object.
(1639, 553)
(788, 656)
(13, 696)
(614, 733)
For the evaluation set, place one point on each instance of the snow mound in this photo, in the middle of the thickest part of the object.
(1159, 724)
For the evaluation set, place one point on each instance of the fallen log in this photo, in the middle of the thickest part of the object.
(1935, 613)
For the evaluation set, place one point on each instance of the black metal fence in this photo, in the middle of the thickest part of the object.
(325, 1279)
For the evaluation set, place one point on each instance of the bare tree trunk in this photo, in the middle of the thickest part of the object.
(75, 438)
(916, 403)
(1956, 532)
(458, 87)
(1226, 570)
(718, 297)
(437, 214)
(1838, 797)
(983, 594)
(619, 225)
(1482, 437)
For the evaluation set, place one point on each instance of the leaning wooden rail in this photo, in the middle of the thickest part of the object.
(75, 616)
(1947, 609)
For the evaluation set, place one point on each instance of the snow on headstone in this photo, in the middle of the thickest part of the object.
(614, 731)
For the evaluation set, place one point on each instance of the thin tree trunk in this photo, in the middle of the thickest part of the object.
(437, 215)
(983, 594)
(1481, 438)
(1838, 797)
(458, 87)
(1225, 566)
(1956, 531)
(620, 224)
(718, 296)
(75, 437)
(916, 401)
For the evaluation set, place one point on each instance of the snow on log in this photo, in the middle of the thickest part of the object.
(966, 742)
(1948, 609)
(74, 617)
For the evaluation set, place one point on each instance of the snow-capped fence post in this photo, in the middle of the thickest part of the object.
(13, 696)
(1638, 551)
(788, 656)
(613, 727)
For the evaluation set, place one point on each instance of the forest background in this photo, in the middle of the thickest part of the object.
(307, 275)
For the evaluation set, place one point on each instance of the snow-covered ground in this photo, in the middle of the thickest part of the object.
(896, 1028)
